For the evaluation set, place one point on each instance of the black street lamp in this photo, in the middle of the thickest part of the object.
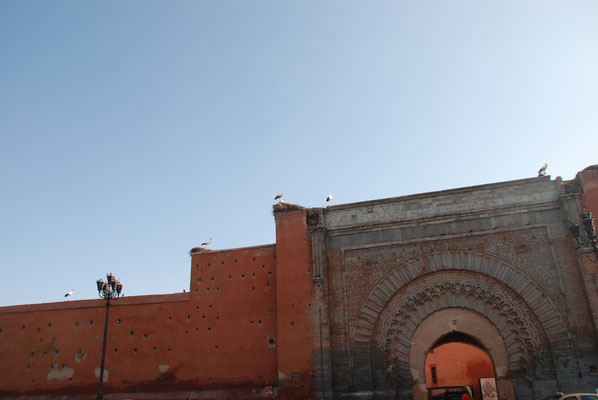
(107, 290)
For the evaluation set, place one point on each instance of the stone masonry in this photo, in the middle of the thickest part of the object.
(502, 252)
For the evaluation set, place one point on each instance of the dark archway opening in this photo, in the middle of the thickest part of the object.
(457, 360)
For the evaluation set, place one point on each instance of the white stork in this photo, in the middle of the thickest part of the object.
(542, 170)
(279, 196)
(207, 243)
(328, 198)
(69, 294)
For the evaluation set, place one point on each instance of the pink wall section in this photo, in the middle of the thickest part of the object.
(220, 335)
(459, 364)
(589, 182)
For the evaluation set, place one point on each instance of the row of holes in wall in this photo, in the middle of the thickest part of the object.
(230, 277)
(217, 289)
(118, 321)
(209, 379)
(271, 344)
(212, 279)
(243, 276)
(271, 341)
(222, 263)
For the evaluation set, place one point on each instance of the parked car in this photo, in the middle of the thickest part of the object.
(449, 392)
(572, 396)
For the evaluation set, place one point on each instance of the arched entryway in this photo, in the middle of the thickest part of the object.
(458, 325)
(457, 360)
(396, 335)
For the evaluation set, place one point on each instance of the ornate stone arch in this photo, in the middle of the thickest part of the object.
(528, 319)
(521, 333)
(448, 321)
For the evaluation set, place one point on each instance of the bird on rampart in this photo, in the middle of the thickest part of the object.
(207, 243)
(542, 170)
(279, 196)
(69, 294)
(328, 198)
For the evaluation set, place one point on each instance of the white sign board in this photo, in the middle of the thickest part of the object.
(488, 387)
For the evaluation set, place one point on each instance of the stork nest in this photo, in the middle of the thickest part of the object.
(197, 250)
(285, 207)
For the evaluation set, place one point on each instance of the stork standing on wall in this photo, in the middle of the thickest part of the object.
(328, 198)
(69, 294)
(279, 196)
(542, 170)
(207, 243)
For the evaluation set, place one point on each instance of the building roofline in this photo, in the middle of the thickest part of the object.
(439, 192)
(206, 251)
(123, 301)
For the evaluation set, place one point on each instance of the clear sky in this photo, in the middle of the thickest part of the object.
(132, 131)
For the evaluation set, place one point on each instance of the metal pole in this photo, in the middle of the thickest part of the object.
(100, 395)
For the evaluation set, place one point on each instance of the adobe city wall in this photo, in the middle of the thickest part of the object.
(341, 305)
(220, 338)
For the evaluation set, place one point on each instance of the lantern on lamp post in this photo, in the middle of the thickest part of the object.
(107, 290)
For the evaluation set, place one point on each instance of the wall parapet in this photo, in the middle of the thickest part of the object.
(497, 196)
(122, 301)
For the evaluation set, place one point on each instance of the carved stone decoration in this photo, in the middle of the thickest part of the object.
(521, 332)
(588, 225)
(531, 324)
(573, 186)
(318, 240)
(576, 232)
(314, 217)
(524, 257)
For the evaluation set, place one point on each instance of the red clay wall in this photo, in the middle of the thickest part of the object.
(294, 263)
(589, 259)
(233, 293)
(57, 346)
(589, 182)
(459, 364)
(217, 336)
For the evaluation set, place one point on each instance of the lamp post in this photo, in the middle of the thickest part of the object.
(107, 291)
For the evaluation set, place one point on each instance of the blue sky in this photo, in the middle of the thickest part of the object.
(132, 131)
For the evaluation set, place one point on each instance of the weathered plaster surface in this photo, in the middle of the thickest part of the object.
(60, 373)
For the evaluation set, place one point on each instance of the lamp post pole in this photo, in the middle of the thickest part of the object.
(106, 290)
